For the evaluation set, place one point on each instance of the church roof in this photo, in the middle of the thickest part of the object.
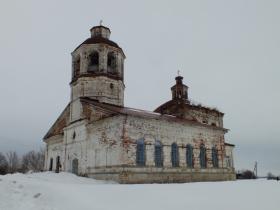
(99, 39)
(189, 104)
(145, 114)
(113, 110)
(61, 122)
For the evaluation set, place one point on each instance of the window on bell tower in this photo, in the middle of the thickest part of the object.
(111, 63)
(77, 64)
(93, 62)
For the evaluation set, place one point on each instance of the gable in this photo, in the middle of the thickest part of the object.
(61, 122)
(90, 112)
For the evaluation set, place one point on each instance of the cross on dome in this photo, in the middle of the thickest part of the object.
(178, 72)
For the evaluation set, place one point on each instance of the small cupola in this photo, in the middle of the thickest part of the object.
(179, 90)
(100, 31)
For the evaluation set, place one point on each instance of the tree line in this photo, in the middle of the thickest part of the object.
(30, 161)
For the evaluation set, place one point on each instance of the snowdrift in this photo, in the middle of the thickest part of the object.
(64, 191)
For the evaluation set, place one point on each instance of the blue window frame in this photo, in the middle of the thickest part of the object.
(189, 155)
(174, 155)
(215, 159)
(202, 156)
(140, 152)
(158, 154)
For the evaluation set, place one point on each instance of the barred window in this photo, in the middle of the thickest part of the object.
(140, 152)
(202, 156)
(189, 156)
(215, 159)
(75, 166)
(158, 154)
(174, 155)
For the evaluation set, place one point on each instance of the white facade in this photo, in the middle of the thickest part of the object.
(97, 136)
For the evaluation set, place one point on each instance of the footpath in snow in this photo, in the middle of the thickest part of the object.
(64, 191)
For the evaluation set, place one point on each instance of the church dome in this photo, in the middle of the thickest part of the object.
(99, 39)
(100, 34)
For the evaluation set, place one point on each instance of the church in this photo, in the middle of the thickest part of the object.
(98, 137)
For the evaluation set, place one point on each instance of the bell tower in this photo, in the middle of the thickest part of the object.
(98, 69)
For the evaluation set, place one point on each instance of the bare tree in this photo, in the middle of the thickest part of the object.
(13, 161)
(41, 161)
(270, 175)
(247, 174)
(3, 164)
(33, 161)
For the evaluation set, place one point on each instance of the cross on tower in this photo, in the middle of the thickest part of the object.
(178, 72)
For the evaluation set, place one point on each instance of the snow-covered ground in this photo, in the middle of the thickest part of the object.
(64, 191)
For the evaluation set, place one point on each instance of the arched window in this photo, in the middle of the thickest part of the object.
(158, 154)
(189, 156)
(202, 156)
(51, 164)
(58, 165)
(77, 66)
(93, 61)
(174, 155)
(111, 63)
(140, 152)
(215, 159)
(179, 94)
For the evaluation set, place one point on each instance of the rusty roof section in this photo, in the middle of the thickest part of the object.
(146, 114)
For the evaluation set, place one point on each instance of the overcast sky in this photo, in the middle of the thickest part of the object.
(226, 50)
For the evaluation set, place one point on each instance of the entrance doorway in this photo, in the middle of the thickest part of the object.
(75, 166)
